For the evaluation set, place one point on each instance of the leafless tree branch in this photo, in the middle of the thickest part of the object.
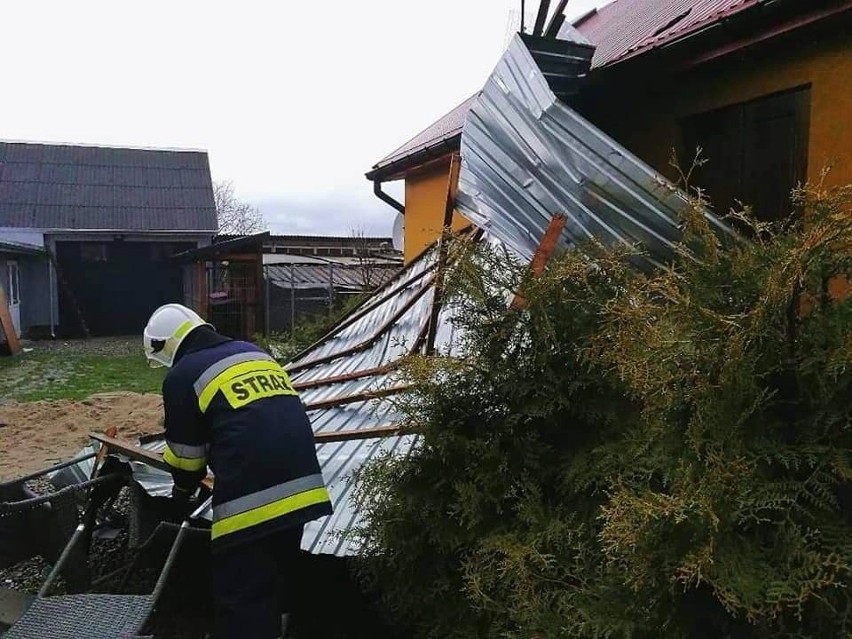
(236, 217)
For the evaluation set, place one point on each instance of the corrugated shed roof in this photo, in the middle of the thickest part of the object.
(625, 28)
(47, 186)
(341, 276)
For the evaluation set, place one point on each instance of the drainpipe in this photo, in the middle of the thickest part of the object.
(387, 199)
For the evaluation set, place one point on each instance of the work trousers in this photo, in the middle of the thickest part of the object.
(251, 583)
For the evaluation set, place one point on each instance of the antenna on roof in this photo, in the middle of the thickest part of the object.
(540, 19)
(523, 14)
(557, 20)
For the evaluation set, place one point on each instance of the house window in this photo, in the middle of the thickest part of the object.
(93, 252)
(756, 152)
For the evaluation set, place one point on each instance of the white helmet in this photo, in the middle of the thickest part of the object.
(167, 328)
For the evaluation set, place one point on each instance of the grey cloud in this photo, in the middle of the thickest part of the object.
(338, 212)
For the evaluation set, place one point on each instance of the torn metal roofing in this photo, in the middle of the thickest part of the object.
(526, 156)
(53, 186)
(347, 383)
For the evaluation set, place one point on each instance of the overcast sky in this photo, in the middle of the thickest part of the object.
(294, 101)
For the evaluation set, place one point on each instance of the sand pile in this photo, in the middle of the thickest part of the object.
(36, 435)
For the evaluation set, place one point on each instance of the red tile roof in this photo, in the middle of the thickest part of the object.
(626, 28)
(620, 30)
(435, 134)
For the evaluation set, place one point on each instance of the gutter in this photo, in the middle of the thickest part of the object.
(387, 199)
(393, 170)
(782, 29)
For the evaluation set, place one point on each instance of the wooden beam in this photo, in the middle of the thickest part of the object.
(360, 311)
(358, 397)
(370, 341)
(8, 325)
(354, 435)
(367, 372)
(201, 300)
(449, 209)
(542, 254)
(346, 377)
(137, 453)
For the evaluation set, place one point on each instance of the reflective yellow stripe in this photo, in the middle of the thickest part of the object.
(183, 329)
(249, 390)
(270, 511)
(183, 463)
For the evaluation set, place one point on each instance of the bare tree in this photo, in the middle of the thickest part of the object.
(367, 269)
(236, 217)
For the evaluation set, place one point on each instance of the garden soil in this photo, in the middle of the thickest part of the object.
(36, 435)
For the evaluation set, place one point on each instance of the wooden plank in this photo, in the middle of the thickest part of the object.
(347, 377)
(354, 435)
(137, 453)
(358, 397)
(452, 191)
(389, 324)
(542, 254)
(111, 432)
(8, 325)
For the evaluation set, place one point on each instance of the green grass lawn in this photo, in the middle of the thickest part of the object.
(73, 373)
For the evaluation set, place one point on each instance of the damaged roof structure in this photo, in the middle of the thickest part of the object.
(525, 157)
(527, 154)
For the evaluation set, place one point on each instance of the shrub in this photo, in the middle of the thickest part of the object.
(660, 454)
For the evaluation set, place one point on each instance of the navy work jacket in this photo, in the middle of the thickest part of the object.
(231, 405)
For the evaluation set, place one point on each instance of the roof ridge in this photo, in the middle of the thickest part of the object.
(95, 145)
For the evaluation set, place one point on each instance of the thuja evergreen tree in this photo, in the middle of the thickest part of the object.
(659, 454)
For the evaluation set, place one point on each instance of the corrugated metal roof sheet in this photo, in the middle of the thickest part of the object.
(341, 276)
(626, 28)
(527, 156)
(48, 186)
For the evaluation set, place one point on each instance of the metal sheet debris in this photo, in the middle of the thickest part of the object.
(526, 156)
(354, 358)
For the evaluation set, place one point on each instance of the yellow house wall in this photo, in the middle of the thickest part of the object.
(425, 201)
(646, 118)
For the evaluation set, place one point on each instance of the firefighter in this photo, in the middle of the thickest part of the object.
(229, 404)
